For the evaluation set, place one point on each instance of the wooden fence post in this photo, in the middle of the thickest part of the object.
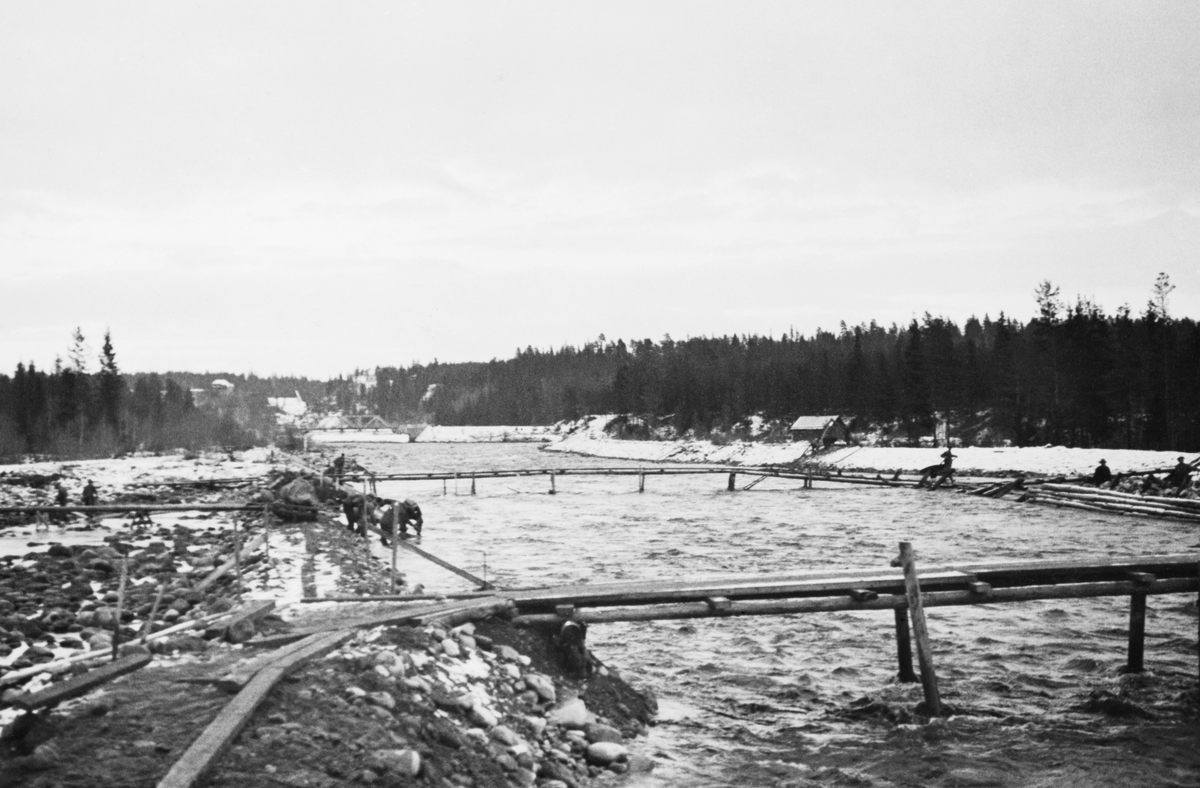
(916, 611)
(396, 539)
(732, 482)
(472, 484)
(641, 482)
(1137, 631)
(904, 646)
(237, 557)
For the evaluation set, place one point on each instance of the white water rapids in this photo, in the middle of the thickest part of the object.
(765, 700)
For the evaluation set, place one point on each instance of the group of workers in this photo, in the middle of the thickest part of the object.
(1175, 480)
(386, 514)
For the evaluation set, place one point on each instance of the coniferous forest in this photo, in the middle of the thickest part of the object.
(1072, 375)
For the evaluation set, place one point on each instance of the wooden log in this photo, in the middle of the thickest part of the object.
(82, 684)
(717, 604)
(1003, 489)
(446, 565)
(127, 508)
(904, 647)
(454, 618)
(224, 568)
(1071, 501)
(976, 587)
(1185, 503)
(917, 613)
(217, 737)
(863, 594)
(1147, 502)
(371, 598)
(765, 607)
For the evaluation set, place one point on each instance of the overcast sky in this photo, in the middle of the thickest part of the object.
(308, 188)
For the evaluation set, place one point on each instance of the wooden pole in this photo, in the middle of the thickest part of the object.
(237, 557)
(641, 482)
(472, 484)
(456, 484)
(924, 654)
(904, 647)
(732, 482)
(1137, 632)
(396, 536)
(443, 487)
(553, 491)
(120, 607)
(153, 611)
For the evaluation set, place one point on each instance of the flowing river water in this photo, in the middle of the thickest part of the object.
(779, 701)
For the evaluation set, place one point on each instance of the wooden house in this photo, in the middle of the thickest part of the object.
(820, 430)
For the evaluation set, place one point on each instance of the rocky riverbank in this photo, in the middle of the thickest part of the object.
(481, 704)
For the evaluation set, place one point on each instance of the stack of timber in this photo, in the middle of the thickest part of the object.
(1095, 499)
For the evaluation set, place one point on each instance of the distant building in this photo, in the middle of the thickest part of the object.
(221, 386)
(824, 430)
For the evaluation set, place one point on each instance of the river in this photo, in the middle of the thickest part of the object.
(771, 701)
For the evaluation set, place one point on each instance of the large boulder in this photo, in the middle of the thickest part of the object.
(299, 492)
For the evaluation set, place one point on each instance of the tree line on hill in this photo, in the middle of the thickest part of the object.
(74, 412)
(1072, 375)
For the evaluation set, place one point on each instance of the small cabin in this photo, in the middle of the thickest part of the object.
(820, 430)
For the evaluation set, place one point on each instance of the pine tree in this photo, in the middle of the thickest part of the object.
(110, 385)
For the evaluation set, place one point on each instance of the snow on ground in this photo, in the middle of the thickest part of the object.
(591, 440)
(595, 443)
(112, 475)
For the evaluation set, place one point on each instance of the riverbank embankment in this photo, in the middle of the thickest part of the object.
(476, 703)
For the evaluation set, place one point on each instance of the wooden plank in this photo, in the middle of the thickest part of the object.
(232, 563)
(479, 581)
(216, 738)
(82, 684)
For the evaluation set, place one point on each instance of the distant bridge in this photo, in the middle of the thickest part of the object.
(367, 422)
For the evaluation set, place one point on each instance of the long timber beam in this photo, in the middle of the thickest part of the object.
(888, 602)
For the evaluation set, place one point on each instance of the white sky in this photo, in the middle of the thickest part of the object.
(308, 188)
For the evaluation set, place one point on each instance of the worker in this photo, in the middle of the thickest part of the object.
(89, 494)
(1102, 475)
(1179, 475)
(339, 468)
(943, 470)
